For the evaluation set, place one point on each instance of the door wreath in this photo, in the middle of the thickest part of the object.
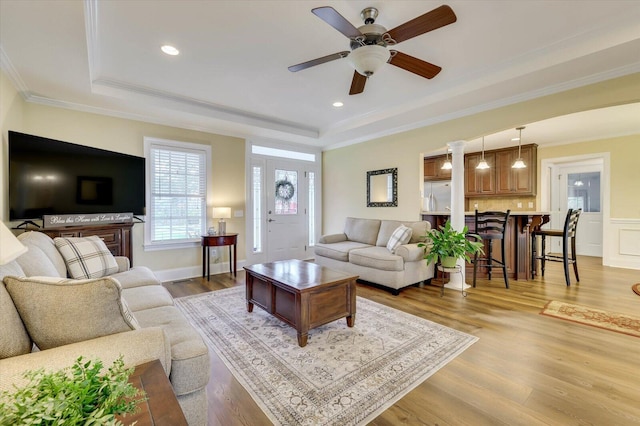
(284, 190)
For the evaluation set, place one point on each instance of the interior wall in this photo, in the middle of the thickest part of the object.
(625, 173)
(126, 136)
(405, 150)
(11, 117)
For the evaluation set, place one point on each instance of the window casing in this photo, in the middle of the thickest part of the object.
(177, 186)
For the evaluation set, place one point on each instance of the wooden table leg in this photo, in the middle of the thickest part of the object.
(204, 258)
(351, 320)
(302, 339)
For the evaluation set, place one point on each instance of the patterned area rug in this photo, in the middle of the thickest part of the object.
(636, 288)
(344, 376)
(594, 317)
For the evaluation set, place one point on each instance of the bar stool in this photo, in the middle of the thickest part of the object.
(568, 235)
(490, 226)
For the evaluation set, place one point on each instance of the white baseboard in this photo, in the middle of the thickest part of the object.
(178, 274)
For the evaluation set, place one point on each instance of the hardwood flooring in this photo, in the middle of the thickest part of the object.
(526, 369)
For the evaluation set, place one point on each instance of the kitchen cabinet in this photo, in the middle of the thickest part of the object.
(433, 168)
(479, 182)
(511, 181)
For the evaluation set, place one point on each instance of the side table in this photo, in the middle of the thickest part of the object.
(162, 407)
(218, 241)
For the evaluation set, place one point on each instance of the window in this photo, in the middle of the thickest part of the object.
(312, 209)
(257, 208)
(177, 176)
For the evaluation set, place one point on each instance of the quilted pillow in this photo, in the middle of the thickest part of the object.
(59, 311)
(86, 257)
(400, 236)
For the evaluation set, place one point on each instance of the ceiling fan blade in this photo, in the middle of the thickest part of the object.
(414, 65)
(430, 21)
(357, 84)
(318, 61)
(337, 21)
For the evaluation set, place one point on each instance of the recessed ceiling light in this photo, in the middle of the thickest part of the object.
(170, 50)
(338, 104)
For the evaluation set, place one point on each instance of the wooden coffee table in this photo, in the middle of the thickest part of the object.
(302, 294)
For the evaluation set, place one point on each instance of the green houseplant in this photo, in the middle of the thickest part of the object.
(450, 245)
(78, 395)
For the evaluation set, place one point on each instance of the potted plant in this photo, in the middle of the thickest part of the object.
(79, 395)
(450, 245)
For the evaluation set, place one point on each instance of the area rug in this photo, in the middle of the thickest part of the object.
(344, 376)
(594, 317)
(636, 288)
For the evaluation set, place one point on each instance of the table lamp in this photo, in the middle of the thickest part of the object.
(222, 213)
(10, 246)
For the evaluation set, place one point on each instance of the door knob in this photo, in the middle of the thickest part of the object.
(271, 220)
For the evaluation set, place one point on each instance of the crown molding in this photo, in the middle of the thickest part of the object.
(7, 66)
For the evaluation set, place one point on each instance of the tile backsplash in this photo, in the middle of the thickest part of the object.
(502, 203)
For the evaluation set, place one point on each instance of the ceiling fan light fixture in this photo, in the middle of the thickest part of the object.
(368, 59)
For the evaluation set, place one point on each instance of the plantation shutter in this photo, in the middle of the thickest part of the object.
(178, 181)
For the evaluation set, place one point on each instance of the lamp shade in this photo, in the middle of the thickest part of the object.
(482, 165)
(10, 246)
(222, 212)
(368, 59)
(519, 164)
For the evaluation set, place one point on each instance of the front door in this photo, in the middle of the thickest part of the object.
(286, 215)
(579, 187)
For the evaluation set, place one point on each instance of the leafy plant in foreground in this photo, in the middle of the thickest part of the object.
(77, 395)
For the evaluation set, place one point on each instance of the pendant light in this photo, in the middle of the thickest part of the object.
(482, 165)
(447, 163)
(519, 164)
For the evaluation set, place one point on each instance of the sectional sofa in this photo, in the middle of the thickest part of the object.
(370, 249)
(49, 321)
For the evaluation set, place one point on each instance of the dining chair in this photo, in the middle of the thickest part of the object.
(568, 255)
(490, 226)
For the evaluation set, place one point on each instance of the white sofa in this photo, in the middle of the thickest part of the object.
(362, 250)
(35, 306)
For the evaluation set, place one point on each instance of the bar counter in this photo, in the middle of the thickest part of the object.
(517, 245)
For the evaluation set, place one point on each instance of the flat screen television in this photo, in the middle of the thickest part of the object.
(48, 176)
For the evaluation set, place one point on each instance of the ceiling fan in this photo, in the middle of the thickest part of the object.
(369, 43)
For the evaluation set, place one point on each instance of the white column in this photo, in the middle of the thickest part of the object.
(457, 281)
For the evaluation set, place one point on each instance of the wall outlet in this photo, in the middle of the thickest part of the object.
(519, 205)
(475, 205)
(530, 204)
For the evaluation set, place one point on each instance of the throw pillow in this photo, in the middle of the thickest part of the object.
(58, 312)
(86, 257)
(400, 236)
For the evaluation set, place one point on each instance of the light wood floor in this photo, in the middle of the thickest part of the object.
(526, 369)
